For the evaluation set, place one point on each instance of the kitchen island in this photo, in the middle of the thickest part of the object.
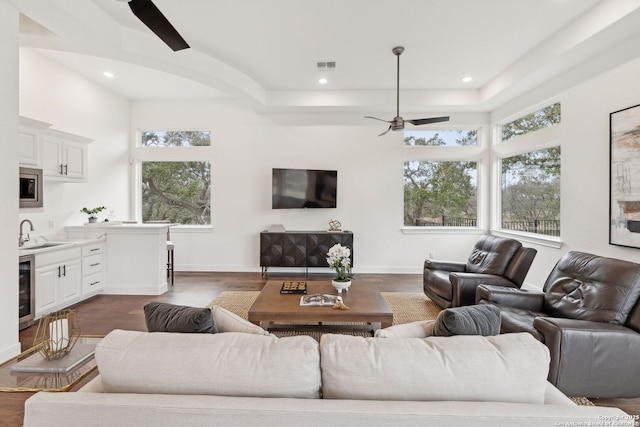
(135, 256)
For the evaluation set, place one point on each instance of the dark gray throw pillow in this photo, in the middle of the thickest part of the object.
(164, 317)
(470, 320)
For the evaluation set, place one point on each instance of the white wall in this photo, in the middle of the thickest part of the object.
(585, 166)
(53, 94)
(9, 345)
(246, 146)
(586, 110)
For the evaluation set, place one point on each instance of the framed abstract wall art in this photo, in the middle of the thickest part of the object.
(624, 187)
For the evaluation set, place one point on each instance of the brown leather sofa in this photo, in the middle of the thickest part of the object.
(589, 316)
(494, 260)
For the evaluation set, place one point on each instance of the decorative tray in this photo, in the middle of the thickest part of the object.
(293, 288)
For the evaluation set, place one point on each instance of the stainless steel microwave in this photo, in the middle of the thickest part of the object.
(30, 188)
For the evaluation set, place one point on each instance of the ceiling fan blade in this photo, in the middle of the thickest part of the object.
(375, 118)
(418, 122)
(150, 15)
(385, 132)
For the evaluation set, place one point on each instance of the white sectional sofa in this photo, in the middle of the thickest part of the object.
(242, 379)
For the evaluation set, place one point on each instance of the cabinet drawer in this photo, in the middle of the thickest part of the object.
(92, 249)
(92, 283)
(57, 257)
(91, 264)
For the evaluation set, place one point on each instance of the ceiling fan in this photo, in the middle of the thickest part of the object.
(398, 122)
(150, 15)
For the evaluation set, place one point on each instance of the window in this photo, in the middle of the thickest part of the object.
(174, 169)
(530, 173)
(531, 192)
(448, 138)
(179, 192)
(176, 138)
(440, 193)
(545, 117)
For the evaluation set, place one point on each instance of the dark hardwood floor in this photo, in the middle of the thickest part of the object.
(103, 313)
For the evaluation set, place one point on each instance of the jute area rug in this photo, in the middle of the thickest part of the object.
(407, 307)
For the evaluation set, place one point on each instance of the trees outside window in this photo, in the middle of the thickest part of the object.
(434, 138)
(176, 138)
(174, 187)
(531, 192)
(542, 118)
(530, 180)
(179, 192)
(440, 193)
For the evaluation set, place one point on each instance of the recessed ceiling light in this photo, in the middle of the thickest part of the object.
(108, 74)
(323, 81)
(467, 79)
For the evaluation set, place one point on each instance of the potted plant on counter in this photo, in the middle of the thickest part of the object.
(93, 212)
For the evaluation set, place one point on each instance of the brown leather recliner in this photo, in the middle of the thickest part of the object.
(589, 316)
(494, 260)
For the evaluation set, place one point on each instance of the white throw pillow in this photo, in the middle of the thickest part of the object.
(419, 329)
(227, 321)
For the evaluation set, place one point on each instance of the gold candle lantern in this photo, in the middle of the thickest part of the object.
(57, 333)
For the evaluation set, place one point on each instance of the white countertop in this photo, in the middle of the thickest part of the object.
(78, 235)
(118, 225)
(34, 247)
(92, 230)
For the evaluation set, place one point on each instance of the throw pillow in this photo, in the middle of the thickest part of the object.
(470, 320)
(419, 329)
(164, 317)
(231, 322)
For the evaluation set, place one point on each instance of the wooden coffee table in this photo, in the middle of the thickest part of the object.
(366, 306)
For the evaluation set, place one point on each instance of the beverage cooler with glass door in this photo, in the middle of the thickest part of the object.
(26, 296)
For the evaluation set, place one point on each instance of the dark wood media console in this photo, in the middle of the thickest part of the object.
(300, 248)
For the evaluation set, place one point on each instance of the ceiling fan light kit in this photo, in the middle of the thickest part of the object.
(398, 122)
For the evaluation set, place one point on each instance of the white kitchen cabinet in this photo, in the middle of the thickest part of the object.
(29, 142)
(46, 290)
(61, 155)
(135, 256)
(58, 280)
(64, 156)
(71, 283)
(92, 268)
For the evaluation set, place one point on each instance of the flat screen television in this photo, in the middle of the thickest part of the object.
(304, 188)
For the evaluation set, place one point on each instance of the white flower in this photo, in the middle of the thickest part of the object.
(339, 259)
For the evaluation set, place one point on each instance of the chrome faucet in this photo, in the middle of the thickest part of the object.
(21, 240)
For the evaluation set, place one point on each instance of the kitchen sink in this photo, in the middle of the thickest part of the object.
(41, 246)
